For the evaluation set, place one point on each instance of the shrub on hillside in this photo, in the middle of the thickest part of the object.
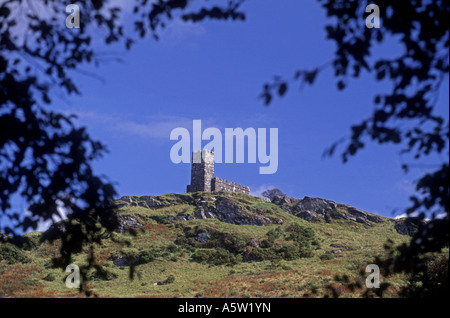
(185, 243)
(28, 242)
(148, 255)
(49, 278)
(326, 256)
(335, 214)
(169, 280)
(219, 256)
(234, 243)
(267, 243)
(274, 233)
(304, 240)
(290, 252)
(161, 219)
(12, 254)
(31, 243)
(263, 254)
(102, 275)
(298, 233)
(305, 249)
(431, 282)
(172, 248)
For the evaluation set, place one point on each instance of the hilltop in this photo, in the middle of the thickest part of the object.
(222, 244)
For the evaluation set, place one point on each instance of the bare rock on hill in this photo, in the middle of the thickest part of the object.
(227, 210)
(202, 237)
(127, 222)
(205, 212)
(363, 215)
(408, 226)
(308, 216)
(284, 202)
(145, 201)
(125, 261)
(320, 206)
(316, 209)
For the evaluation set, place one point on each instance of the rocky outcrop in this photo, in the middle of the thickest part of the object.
(284, 202)
(183, 217)
(146, 201)
(126, 223)
(308, 216)
(320, 206)
(205, 212)
(202, 237)
(314, 209)
(363, 217)
(228, 211)
(408, 226)
(317, 209)
(125, 261)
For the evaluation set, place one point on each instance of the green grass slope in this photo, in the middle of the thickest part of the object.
(180, 252)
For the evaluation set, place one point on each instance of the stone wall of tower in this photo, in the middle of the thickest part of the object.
(202, 176)
(202, 171)
(218, 185)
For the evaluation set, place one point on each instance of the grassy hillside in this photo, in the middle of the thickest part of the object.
(179, 251)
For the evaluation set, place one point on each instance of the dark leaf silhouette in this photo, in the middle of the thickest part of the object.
(282, 89)
(47, 160)
(403, 116)
(44, 157)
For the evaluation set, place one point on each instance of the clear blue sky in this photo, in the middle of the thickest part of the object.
(214, 71)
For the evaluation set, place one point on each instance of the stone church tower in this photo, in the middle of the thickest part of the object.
(203, 179)
(202, 171)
